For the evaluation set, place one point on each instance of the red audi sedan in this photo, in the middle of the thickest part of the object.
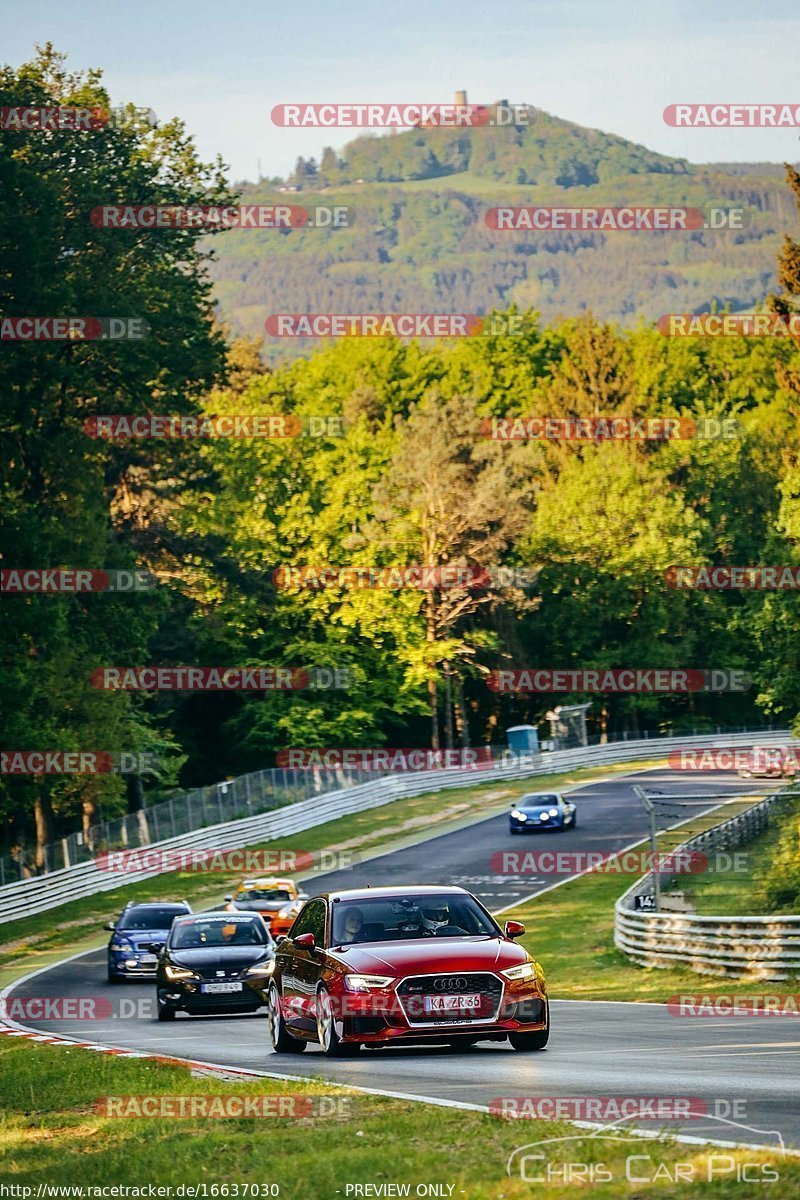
(379, 966)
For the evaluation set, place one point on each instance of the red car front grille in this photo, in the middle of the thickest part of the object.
(413, 990)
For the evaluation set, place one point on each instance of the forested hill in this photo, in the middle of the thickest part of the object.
(420, 240)
(542, 150)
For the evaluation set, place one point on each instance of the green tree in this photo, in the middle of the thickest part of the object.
(70, 499)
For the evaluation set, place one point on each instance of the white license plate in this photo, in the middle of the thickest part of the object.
(452, 1003)
(216, 988)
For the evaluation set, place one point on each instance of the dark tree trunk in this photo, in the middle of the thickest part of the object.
(433, 697)
(135, 789)
(433, 701)
(448, 709)
(462, 722)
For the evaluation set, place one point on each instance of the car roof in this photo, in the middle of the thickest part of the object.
(158, 904)
(266, 881)
(218, 914)
(549, 796)
(388, 892)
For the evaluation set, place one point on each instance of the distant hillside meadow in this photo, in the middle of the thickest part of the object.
(421, 241)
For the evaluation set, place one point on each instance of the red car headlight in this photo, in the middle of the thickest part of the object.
(522, 972)
(366, 983)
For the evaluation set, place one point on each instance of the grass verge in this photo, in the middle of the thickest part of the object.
(571, 932)
(757, 884)
(52, 1134)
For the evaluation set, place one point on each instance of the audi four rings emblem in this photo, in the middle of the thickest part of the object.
(453, 983)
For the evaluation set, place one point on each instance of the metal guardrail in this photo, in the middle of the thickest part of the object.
(229, 800)
(761, 947)
(244, 796)
(40, 893)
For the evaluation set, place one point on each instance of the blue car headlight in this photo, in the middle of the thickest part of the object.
(123, 946)
(519, 816)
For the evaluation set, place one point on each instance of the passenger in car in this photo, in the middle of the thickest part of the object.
(353, 925)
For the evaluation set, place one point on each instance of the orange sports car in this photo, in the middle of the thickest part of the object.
(278, 900)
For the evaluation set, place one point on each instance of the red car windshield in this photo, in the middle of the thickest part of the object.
(400, 918)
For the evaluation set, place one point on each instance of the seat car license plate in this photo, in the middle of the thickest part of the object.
(465, 1003)
(147, 960)
(216, 988)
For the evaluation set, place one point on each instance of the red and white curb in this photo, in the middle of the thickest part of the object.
(11, 1028)
(200, 1068)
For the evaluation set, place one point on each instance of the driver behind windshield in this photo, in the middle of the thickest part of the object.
(353, 924)
(435, 917)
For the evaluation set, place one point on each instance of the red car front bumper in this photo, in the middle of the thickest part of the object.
(404, 1012)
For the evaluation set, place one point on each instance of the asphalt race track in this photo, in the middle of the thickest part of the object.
(596, 1048)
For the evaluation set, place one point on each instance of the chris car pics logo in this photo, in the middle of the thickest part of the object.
(616, 1153)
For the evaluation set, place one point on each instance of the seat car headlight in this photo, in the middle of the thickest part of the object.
(523, 971)
(260, 970)
(176, 973)
(365, 983)
(519, 816)
(124, 945)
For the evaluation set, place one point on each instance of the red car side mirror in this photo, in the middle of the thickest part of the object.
(306, 940)
(514, 929)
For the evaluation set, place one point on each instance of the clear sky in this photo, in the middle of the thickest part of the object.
(610, 64)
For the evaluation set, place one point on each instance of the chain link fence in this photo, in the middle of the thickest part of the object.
(245, 796)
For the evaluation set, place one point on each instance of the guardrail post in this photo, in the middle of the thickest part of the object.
(651, 812)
